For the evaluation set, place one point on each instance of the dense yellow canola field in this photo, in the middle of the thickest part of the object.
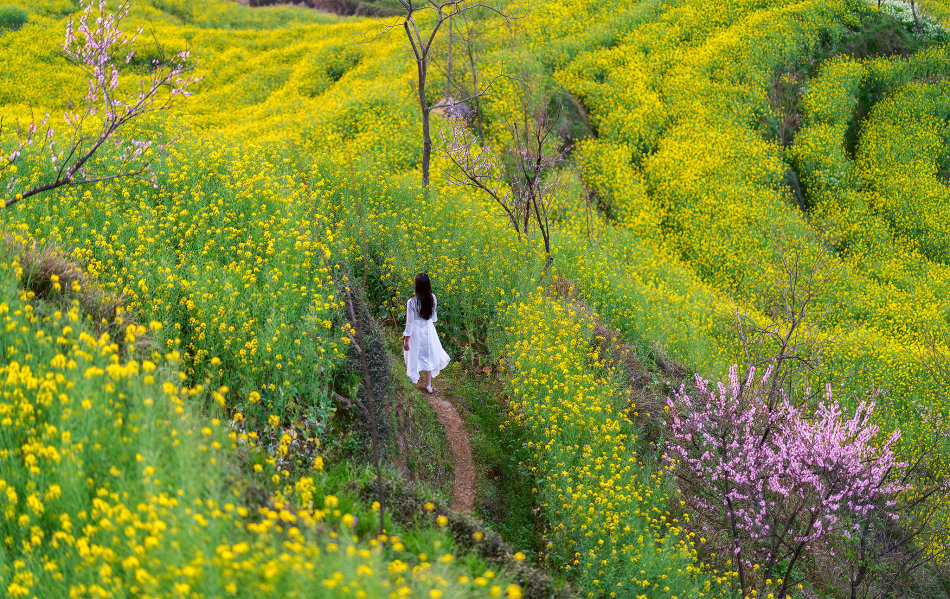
(681, 103)
(230, 260)
(298, 153)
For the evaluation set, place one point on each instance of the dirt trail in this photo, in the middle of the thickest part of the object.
(463, 484)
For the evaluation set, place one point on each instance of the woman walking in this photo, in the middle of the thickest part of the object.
(420, 343)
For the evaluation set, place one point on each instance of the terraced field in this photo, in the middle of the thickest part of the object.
(723, 161)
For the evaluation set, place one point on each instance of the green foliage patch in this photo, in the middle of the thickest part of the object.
(12, 17)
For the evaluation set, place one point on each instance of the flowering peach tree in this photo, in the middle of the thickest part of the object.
(778, 479)
(96, 43)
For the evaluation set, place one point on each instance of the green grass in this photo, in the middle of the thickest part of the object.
(422, 448)
(12, 17)
(504, 495)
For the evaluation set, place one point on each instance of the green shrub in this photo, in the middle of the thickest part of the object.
(12, 17)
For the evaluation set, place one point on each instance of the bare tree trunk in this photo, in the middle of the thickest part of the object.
(913, 11)
(448, 66)
(426, 148)
(421, 45)
(426, 136)
(478, 106)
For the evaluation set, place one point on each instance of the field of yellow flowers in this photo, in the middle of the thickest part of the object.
(296, 162)
(121, 471)
(115, 485)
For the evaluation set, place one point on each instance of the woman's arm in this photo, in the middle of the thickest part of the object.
(407, 332)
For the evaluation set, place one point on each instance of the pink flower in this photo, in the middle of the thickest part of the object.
(779, 479)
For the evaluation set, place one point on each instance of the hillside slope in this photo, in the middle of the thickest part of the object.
(731, 155)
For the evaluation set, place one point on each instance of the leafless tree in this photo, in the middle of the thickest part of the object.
(913, 11)
(462, 80)
(422, 43)
(790, 342)
(523, 177)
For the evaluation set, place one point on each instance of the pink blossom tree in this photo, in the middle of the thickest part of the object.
(97, 44)
(778, 479)
(523, 178)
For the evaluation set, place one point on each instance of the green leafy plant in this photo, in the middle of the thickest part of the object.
(12, 17)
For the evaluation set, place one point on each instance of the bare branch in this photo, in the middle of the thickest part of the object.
(70, 183)
(412, 42)
(382, 30)
(479, 94)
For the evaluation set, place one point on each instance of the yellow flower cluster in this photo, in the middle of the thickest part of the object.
(939, 9)
(235, 262)
(615, 524)
(101, 496)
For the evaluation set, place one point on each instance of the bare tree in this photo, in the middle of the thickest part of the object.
(470, 31)
(790, 343)
(422, 43)
(472, 35)
(100, 48)
(913, 11)
(448, 62)
(524, 178)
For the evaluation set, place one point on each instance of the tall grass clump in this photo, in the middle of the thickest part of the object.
(12, 17)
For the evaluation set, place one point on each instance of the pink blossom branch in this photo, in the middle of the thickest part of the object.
(779, 493)
(96, 43)
(525, 182)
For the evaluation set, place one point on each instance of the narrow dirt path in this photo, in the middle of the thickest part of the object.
(463, 484)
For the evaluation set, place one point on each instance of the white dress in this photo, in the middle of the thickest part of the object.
(425, 350)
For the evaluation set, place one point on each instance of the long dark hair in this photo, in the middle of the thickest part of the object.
(425, 302)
